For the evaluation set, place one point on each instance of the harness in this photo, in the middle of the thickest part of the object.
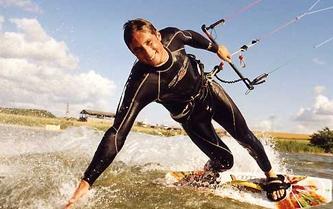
(201, 94)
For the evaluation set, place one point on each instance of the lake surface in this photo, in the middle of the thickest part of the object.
(40, 169)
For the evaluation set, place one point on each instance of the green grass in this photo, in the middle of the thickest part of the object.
(34, 121)
(102, 125)
(297, 146)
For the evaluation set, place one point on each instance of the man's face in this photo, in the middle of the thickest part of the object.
(147, 47)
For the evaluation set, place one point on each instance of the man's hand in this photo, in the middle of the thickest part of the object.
(224, 54)
(81, 190)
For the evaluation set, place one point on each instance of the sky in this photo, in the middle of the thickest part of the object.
(54, 53)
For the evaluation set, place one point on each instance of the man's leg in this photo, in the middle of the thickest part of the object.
(226, 113)
(202, 133)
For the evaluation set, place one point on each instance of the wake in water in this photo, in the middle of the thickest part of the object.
(40, 169)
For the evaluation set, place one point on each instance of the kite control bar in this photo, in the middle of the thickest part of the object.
(218, 68)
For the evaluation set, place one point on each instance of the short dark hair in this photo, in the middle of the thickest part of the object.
(137, 25)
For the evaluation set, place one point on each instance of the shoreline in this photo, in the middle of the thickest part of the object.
(40, 128)
(311, 153)
(317, 153)
(43, 128)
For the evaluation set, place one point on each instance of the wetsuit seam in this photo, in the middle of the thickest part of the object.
(128, 111)
(186, 36)
(171, 39)
(115, 129)
(210, 142)
(198, 69)
(115, 140)
(177, 50)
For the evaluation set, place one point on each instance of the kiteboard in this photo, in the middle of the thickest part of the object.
(304, 192)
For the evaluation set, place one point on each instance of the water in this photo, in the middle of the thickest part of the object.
(40, 169)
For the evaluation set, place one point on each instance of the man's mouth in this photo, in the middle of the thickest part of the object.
(151, 58)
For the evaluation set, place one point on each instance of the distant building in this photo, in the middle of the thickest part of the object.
(67, 110)
(85, 114)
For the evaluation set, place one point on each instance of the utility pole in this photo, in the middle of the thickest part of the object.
(67, 110)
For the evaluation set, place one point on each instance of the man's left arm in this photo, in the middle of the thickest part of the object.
(197, 40)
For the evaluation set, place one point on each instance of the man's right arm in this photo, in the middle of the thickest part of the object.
(136, 96)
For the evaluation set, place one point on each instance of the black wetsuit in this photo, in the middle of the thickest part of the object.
(192, 100)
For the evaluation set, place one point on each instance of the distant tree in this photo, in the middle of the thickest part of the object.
(27, 112)
(323, 139)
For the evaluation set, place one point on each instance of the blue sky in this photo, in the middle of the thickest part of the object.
(58, 52)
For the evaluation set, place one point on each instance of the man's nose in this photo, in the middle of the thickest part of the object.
(148, 51)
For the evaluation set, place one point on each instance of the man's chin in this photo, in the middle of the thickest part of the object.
(153, 64)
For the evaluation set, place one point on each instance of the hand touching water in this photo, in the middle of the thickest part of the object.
(81, 190)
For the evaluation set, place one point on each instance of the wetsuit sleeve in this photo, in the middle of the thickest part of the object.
(196, 40)
(137, 94)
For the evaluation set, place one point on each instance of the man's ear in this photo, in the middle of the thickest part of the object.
(158, 35)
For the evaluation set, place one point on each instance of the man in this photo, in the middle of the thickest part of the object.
(165, 74)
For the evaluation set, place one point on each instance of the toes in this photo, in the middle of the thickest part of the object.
(278, 194)
(281, 192)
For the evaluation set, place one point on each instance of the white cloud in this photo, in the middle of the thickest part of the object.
(26, 5)
(319, 115)
(305, 114)
(32, 30)
(267, 124)
(34, 44)
(323, 106)
(318, 61)
(34, 72)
